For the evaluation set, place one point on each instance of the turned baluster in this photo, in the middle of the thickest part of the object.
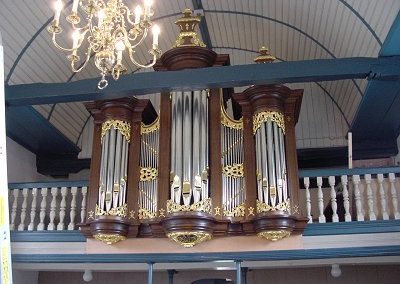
(346, 202)
(21, 226)
(63, 204)
(370, 198)
(308, 198)
(31, 225)
(72, 213)
(83, 204)
(53, 207)
(43, 206)
(14, 208)
(321, 217)
(357, 196)
(382, 195)
(393, 193)
(335, 217)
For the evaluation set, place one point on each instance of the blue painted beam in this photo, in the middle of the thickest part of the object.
(378, 116)
(206, 257)
(344, 171)
(391, 46)
(213, 77)
(31, 130)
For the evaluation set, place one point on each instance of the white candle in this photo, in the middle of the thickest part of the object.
(75, 6)
(58, 7)
(119, 46)
(101, 16)
(147, 6)
(75, 37)
(138, 14)
(350, 139)
(156, 32)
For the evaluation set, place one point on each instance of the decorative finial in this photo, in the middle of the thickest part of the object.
(265, 56)
(187, 35)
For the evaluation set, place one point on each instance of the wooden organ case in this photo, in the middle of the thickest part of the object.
(195, 171)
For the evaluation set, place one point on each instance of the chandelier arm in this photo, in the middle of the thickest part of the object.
(141, 65)
(84, 64)
(144, 35)
(59, 46)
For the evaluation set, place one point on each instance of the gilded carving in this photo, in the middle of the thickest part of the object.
(274, 235)
(146, 214)
(146, 129)
(203, 206)
(148, 174)
(122, 126)
(120, 211)
(189, 239)
(263, 116)
(109, 239)
(238, 211)
(235, 170)
(229, 122)
(263, 207)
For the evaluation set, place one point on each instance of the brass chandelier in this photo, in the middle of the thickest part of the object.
(110, 30)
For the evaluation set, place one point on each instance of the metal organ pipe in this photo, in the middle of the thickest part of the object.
(189, 147)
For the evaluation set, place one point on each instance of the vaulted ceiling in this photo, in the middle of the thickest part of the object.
(293, 30)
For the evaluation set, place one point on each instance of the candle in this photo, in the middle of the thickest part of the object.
(156, 32)
(58, 7)
(119, 46)
(75, 37)
(101, 16)
(147, 6)
(350, 140)
(138, 14)
(75, 6)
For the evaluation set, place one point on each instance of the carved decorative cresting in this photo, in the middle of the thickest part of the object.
(229, 122)
(155, 126)
(187, 35)
(201, 206)
(122, 126)
(263, 116)
(146, 214)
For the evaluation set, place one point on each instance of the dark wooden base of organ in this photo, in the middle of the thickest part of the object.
(195, 221)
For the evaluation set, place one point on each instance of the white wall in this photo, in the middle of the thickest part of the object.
(21, 164)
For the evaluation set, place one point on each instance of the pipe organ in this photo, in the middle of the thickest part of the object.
(196, 170)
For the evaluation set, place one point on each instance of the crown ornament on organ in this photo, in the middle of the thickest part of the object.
(264, 56)
(187, 25)
(106, 30)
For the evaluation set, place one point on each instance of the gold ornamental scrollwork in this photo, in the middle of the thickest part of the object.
(122, 126)
(189, 239)
(146, 214)
(201, 206)
(274, 235)
(120, 211)
(109, 239)
(263, 116)
(263, 207)
(229, 122)
(196, 41)
(146, 129)
(148, 174)
(235, 170)
(238, 211)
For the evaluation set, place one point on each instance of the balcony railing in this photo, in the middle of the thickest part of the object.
(345, 195)
(332, 195)
(47, 206)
